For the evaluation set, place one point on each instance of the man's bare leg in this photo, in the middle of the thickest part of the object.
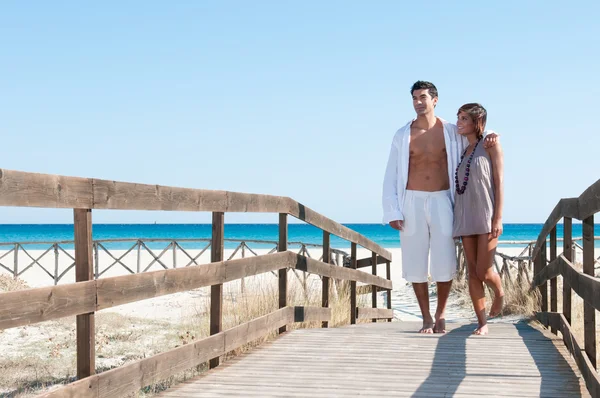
(443, 292)
(422, 293)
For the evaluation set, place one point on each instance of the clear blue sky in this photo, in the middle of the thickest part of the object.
(299, 99)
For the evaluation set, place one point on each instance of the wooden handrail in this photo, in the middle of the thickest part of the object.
(22, 189)
(587, 204)
(26, 307)
(584, 284)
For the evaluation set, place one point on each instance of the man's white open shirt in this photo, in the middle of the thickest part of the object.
(396, 172)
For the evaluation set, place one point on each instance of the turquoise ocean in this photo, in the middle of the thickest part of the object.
(383, 235)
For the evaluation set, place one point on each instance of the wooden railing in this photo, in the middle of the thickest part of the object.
(173, 246)
(584, 284)
(87, 295)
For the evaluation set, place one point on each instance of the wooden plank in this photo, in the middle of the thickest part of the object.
(257, 328)
(308, 314)
(589, 313)
(368, 261)
(25, 307)
(282, 246)
(589, 201)
(317, 267)
(553, 280)
(85, 388)
(374, 288)
(550, 223)
(353, 306)
(567, 253)
(310, 216)
(570, 208)
(325, 282)
(587, 369)
(131, 378)
(84, 272)
(42, 190)
(129, 288)
(22, 189)
(544, 285)
(388, 276)
(374, 313)
(216, 291)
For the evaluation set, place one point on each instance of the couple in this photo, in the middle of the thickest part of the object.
(445, 181)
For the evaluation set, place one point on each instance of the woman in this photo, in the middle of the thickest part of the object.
(478, 210)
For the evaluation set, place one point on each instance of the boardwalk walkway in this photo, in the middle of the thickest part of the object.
(390, 359)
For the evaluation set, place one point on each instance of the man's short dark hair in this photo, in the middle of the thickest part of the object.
(422, 85)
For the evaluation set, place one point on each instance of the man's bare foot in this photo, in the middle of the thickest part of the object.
(497, 306)
(481, 330)
(427, 327)
(440, 325)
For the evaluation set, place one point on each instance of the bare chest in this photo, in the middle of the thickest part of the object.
(427, 144)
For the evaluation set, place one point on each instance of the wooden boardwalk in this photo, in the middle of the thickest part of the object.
(390, 359)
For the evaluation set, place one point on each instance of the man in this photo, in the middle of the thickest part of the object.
(418, 199)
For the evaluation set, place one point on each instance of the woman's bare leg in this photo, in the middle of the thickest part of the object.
(476, 291)
(486, 249)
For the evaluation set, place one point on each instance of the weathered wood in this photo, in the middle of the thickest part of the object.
(353, 306)
(42, 190)
(388, 276)
(86, 388)
(250, 331)
(553, 281)
(374, 290)
(374, 313)
(313, 266)
(587, 369)
(129, 288)
(544, 285)
(216, 291)
(25, 307)
(567, 252)
(84, 272)
(22, 189)
(325, 282)
(308, 314)
(282, 246)
(589, 313)
(401, 363)
(550, 223)
(310, 216)
(367, 262)
(589, 201)
(128, 379)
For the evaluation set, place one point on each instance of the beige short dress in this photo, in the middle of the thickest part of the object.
(474, 208)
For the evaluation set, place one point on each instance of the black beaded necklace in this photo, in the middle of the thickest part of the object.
(460, 190)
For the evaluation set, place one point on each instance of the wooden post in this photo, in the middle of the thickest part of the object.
(326, 259)
(282, 247)
(84, 271)
(544, 286)
(568, 253)
(16, 262)
(353, 264)
(374, 288)
(388, 275)
(553, 281)
(174, 254)
(139, 259)
(216, 291)
(55, 247)
(589, 312)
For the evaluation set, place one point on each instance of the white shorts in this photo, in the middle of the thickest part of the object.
(427, 234)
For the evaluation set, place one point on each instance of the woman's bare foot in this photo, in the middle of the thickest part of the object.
(481, 330)
(427, 326)
(440, 325)
(497, 306)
